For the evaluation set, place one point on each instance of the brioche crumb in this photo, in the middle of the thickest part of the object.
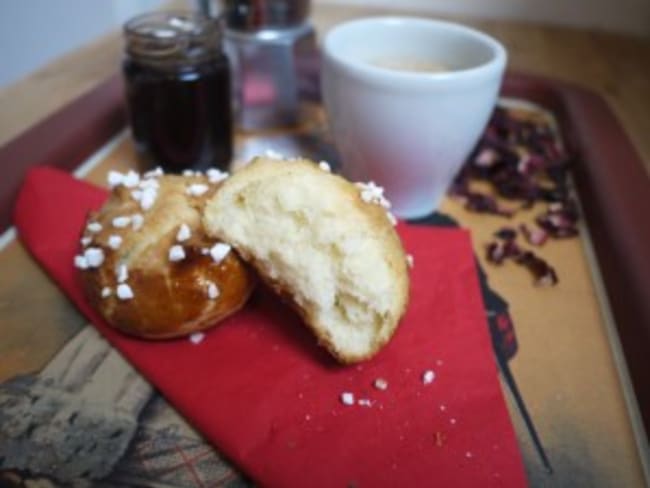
(347, 398)
(197, 337)
(428, 376)
(381, 384)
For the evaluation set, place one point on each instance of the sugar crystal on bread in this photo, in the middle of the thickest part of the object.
(183, 233)
(154, 173)
(121, 273)
(197, 189)
(131, 179)
(121, 222)
(213, 291)
(114, 242)
(94, 257)
(219, 251)
(216, 176)
(80, 262)
(176, 253)
(114, 178)
(136, 221)
(94, 227)
(124, 292)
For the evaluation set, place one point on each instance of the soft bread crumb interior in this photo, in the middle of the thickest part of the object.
(335, 268)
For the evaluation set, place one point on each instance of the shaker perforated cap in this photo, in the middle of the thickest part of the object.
(252, 15)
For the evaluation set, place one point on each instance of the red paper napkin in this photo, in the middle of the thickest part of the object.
(261, 390)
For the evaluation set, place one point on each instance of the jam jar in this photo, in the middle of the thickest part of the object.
(177, 82)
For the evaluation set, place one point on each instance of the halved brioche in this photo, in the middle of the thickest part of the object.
(315, 240)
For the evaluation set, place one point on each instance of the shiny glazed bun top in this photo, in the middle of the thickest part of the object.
(147, 264)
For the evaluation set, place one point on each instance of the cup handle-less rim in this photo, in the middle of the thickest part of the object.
(494, 65)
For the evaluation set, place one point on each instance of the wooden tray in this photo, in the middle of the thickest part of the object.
(612, 184)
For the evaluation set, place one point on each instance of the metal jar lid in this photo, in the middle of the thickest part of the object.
(252, 15)
(172, 36)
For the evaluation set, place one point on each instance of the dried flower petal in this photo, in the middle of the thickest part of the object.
(506, 233)
(482, 203)
(521, 159)
(543, 273)
(498, 251)
(557, 224)
(533, 234)
(486, 158)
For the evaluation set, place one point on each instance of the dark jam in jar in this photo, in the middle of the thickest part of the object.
(178, 91)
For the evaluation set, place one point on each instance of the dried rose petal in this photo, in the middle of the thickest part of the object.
(495, 252)
(506, 233)
(533, 234)
(530, 164)
(568, 207)
(544, 274)
(554, 194)
(486, 158)
(498, 251)
(460, 184)
(557, 224)
(522, 159)
(511, 184)
(482, 203)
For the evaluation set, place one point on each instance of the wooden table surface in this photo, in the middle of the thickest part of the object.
(615, 66)
(566, 369)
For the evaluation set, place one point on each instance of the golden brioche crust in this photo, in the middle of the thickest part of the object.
(351, 208)
(170, 298)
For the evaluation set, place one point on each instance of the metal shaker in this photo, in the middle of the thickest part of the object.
(265, 40)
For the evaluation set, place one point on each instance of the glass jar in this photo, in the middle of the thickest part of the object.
(177, 81)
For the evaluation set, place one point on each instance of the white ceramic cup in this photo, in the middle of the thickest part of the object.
(409, 131)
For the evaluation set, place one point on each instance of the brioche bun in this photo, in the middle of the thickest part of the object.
(153, 276)
(327, 245)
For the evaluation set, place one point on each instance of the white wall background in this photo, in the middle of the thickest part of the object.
(34, 32)
(626, 16)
